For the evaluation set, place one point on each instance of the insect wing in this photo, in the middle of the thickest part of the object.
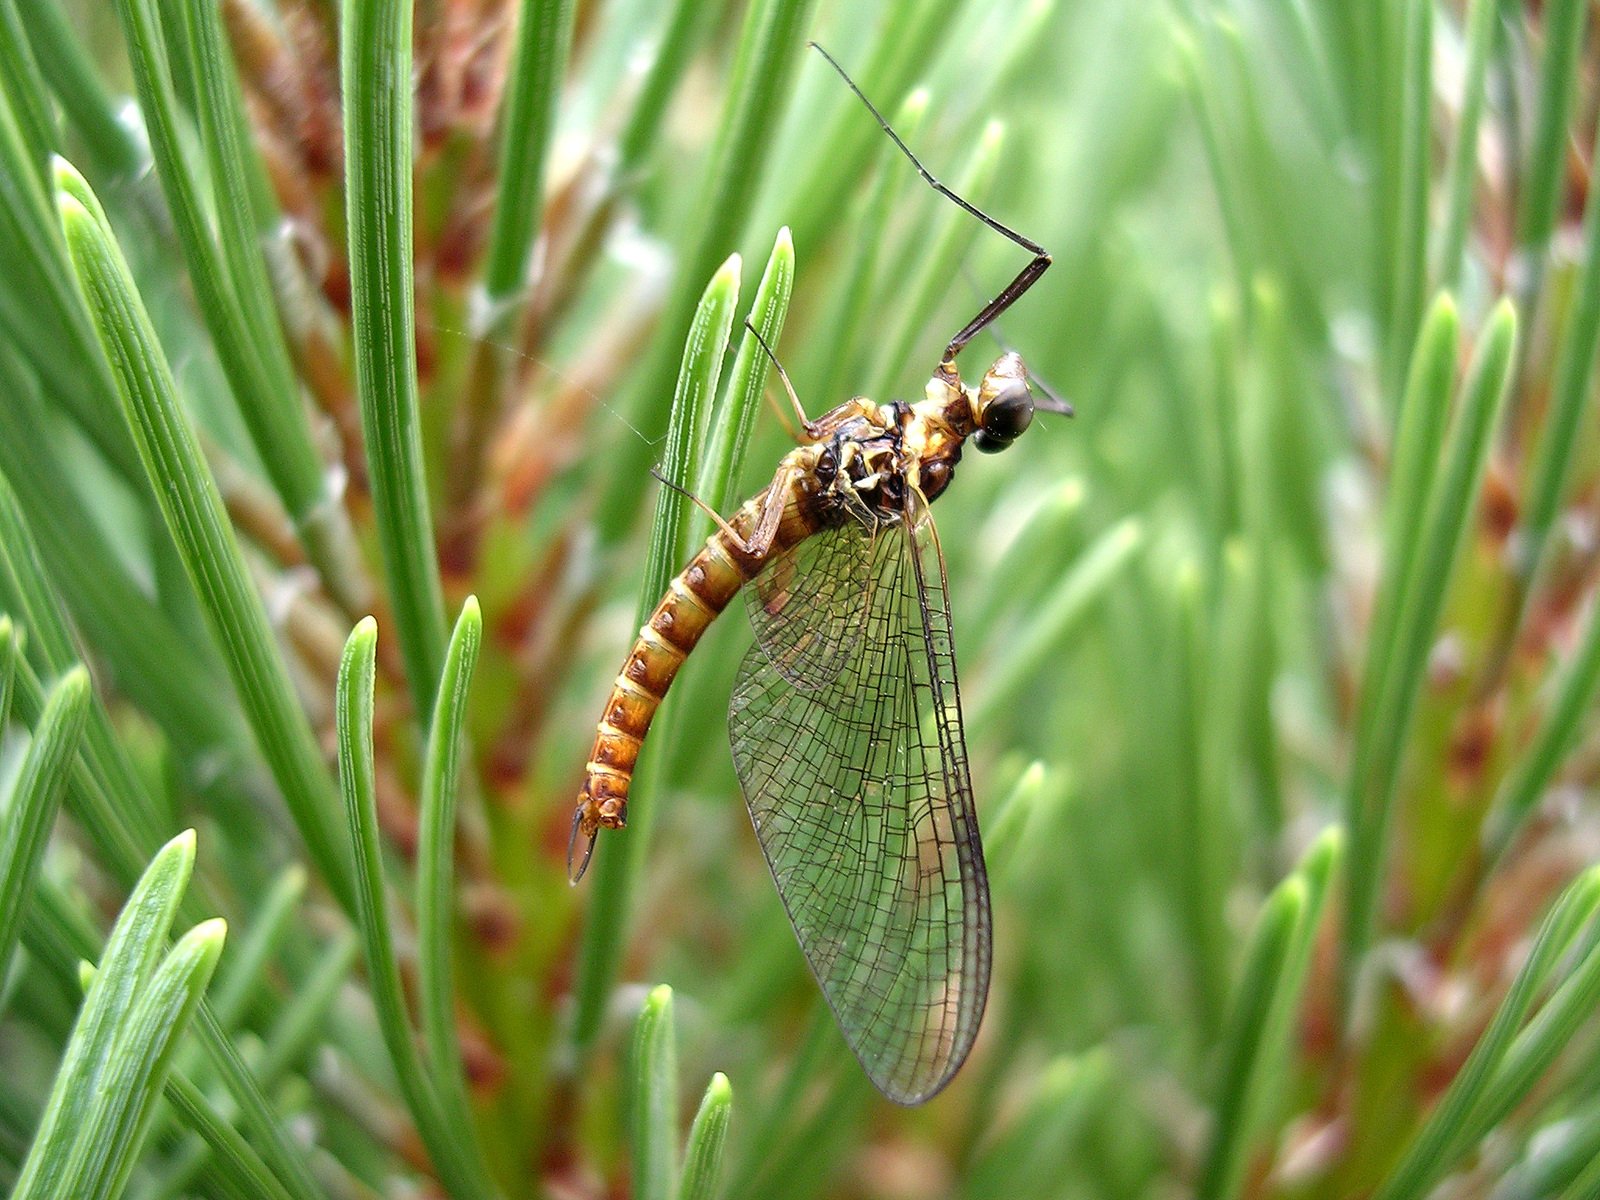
(860, 796)
(809, 606)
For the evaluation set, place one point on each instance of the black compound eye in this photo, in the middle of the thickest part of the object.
(1009, 413)
(988, 443)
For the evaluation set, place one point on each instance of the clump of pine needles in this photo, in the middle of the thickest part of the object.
(1280, 661)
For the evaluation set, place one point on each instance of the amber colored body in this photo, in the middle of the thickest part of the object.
(695, 597)
(861, 458)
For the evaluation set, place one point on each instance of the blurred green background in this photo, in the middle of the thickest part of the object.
(1279, 660)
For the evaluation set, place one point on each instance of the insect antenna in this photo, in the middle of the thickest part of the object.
(1013, 291)
(1046, 397)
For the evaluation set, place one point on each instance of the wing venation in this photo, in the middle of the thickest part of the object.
(827, 573)
(859, 792)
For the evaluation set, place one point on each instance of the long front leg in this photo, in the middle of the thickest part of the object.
(1026, 278)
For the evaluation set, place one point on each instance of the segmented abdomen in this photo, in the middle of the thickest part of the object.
(694, 599)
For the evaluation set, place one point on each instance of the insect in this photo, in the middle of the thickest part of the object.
(845, 717)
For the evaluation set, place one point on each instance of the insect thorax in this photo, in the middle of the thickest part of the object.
(865, 469)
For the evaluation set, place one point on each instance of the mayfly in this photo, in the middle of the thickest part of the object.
(845, 718)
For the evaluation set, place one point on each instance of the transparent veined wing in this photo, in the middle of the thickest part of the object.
(809, 606)
(861, 798)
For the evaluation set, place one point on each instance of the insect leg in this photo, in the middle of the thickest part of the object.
(783, 376)
(1045, 397)
(773, 502)
(828, 423)
(1026, 278)
(1013, 291)
(795, 436)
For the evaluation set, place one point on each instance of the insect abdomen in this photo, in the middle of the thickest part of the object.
(693, 600)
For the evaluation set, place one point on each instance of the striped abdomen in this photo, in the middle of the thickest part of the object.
(693, 600)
